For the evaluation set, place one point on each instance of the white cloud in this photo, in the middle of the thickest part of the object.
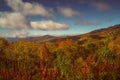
(49, 25)
(15, 34)
(101, 6)
(14, 20)
(68, 12)
(20, 34)
(42, 25)
(27, 8)
(19, 21)
(88, 23)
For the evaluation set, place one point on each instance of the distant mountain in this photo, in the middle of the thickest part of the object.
(96, 34)
(41, 38)
(13, 39)
(38, 38)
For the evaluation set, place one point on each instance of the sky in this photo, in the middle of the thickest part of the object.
(25, 18)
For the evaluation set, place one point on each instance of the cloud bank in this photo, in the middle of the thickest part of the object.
(19, 21)
(27, 8)
(20, 34)
(14, 20)
(15, 34)
(49, 25)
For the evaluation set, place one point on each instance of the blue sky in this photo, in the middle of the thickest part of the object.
(23, 18)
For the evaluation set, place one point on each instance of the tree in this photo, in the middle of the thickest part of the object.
(3, 45)
(44, 53)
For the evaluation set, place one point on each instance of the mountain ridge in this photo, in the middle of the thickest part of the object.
(99, 33)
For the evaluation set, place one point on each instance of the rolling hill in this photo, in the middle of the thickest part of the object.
(96, 34)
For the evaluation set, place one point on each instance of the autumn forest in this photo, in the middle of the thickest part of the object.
(92, 56)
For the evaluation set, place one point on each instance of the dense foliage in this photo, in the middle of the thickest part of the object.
(88, 58)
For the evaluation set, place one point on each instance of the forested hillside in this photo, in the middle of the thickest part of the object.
(91, 56)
